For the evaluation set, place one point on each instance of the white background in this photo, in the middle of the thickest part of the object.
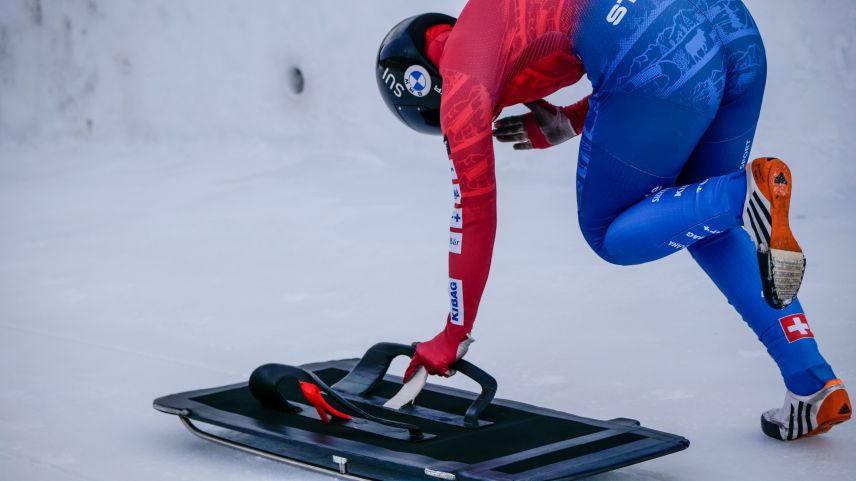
(172, 215)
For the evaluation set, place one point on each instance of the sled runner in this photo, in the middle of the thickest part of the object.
(329, 417)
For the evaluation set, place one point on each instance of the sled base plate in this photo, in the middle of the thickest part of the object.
(518, 441)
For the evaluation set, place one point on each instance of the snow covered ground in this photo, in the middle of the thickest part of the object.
(172, 215)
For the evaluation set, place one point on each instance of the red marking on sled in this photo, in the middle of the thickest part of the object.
(313, 395)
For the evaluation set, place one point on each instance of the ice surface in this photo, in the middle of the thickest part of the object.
(172, 216)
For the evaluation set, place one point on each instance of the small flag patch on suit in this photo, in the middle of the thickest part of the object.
(796, 327)
(457, 218)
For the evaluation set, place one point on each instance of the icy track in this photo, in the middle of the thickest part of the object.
(172, 215)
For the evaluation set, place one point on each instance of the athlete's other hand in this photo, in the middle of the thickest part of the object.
(545, 126)
(439, 353)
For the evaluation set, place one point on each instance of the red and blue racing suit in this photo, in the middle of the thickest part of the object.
(677, 90)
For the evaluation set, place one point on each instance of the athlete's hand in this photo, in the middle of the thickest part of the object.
(545, 126)
(439, 353)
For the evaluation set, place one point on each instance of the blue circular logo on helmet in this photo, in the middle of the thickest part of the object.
(417, 81)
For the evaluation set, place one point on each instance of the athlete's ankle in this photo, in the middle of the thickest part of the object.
(810, 380)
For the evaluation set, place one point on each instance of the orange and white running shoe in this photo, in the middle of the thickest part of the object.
(765, 217)
(804, 416)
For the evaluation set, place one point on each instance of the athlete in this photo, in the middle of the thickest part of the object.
(663, 164)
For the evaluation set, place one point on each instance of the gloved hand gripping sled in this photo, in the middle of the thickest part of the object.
(267, 381)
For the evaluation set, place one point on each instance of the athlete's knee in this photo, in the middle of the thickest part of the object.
(612, 258)
(596, 239)
(616, 259)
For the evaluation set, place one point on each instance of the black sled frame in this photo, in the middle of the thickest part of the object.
(461, 436)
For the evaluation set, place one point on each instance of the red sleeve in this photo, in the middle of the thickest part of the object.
(577, 114)
(466, 116)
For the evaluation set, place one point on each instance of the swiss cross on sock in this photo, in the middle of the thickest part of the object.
(795, 327)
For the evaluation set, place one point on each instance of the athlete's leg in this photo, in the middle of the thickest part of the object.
(625, 157)
(657, 90)
(729, 259)
(633, 149)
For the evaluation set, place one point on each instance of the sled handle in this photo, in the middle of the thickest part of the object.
(373, 366)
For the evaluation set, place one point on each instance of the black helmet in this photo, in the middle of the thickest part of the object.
(409, 83)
